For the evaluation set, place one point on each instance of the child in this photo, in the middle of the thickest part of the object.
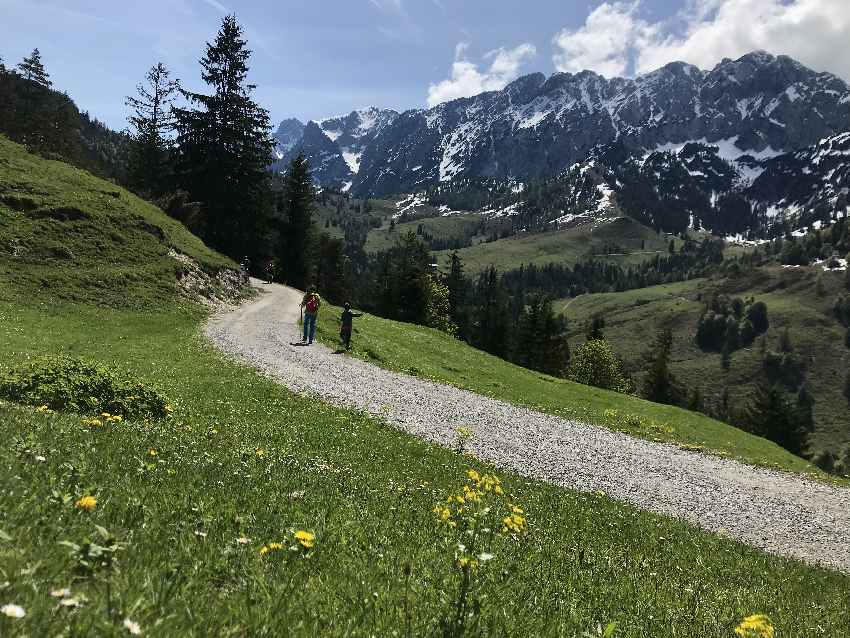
(347, 324)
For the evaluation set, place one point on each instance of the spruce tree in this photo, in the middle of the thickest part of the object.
(224, 148)
(457, 285)
(296, 233)
(659, 385)
(152, 120)
(32, 69)
(596, 328)
(771, 416)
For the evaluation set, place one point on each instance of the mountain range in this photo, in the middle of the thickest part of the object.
(763, 126)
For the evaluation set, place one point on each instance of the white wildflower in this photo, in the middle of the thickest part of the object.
(132, 627)
(13, 611)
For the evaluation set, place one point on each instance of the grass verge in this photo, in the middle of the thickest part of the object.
(241, 458)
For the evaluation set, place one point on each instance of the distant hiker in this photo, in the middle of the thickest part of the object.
(245, 267)
(311, 304)
(270, 270)
(347, 320)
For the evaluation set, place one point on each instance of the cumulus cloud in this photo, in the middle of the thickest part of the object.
(615, 40)
(467, 78)
(605, 42)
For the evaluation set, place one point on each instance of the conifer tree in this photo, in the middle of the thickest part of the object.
(152, 120)
(456, 283)
(296, 233)
(771, 416)
(595, 329)
(225, 147)
(32, 69)
(659, 385)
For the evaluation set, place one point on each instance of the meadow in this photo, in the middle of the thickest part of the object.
(798, 299)
(254, 511)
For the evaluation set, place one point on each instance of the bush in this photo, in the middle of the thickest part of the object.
(74, 385)
(596, 364)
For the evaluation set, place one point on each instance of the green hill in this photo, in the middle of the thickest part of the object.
(799, 299)
(623, 240)
(66, 235)
(180, 508)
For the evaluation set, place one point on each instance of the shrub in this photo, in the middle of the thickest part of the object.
(74, 385)
(596, 364)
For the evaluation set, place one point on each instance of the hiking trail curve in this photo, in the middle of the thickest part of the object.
(775, 511)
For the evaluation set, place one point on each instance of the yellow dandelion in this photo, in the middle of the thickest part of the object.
(264, 550)
(152, 452)
(755, 626)
(306, 539)
(86, 503)
(169, 409)
(261, 452)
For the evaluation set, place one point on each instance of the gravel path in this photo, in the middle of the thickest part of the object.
(774, 511)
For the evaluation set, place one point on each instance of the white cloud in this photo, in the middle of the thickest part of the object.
(605, 41)
(467, 79)
(614, 40)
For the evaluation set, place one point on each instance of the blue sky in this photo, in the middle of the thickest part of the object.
(326, 57)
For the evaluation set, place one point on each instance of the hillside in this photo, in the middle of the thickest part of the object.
(799, 299)
(434, 355)
(159, 525)
(68, 236)
(621, 240)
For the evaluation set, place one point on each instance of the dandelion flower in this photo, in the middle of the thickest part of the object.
(152, 452)
(86, 503)
(305, 538)
(169, 409)
(755, 626)
(132, 627)
(13, 611)
(261, 452)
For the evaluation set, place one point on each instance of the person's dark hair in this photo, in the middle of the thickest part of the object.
(347, 305)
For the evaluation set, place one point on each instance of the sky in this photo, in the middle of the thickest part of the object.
(319, 58)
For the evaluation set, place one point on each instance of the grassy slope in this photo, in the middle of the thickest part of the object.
(365, 489)
(633, 317)
(76, 237)
(564, 246)
(453, 227)
(431, 354)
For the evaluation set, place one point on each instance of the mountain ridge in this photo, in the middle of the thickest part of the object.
(759, 105)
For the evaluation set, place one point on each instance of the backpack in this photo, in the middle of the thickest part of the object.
(312, 304)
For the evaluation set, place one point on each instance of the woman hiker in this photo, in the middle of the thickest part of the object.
(311, 304)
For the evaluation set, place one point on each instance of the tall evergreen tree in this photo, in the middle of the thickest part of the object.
(32, 69)
(456, 282)
(225, 147)
(152, 121)
(771, 416)
(296, 204)
(659, 385)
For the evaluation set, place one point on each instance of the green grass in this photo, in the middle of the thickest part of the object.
(366, 491)
(66, 235)
(454, 227)
(570, 246)
(433, 355)
(633, 318)
(243, 458)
